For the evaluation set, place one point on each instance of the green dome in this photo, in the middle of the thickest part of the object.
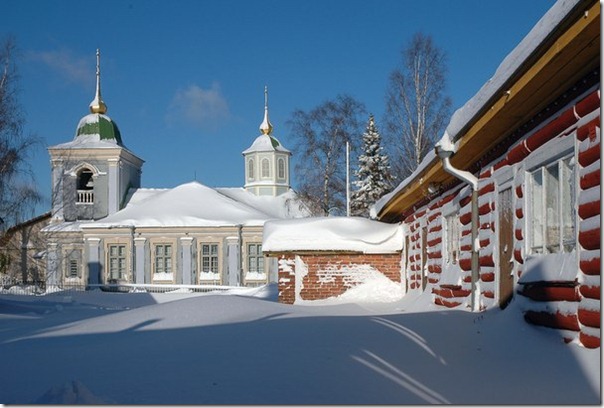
(100, 125)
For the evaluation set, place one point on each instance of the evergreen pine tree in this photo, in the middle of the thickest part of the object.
(373, 178)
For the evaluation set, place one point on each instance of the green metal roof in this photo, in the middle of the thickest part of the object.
(99, 124)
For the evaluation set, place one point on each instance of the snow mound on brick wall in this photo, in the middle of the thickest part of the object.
(365, 283)
(379, 289)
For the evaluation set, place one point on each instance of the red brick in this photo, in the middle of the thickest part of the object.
(589, 318)
(589, 341)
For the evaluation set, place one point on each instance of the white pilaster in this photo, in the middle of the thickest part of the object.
(233, 261)
(52, 265)
(186, 245)
(94, 262)
(57, 189)
(139, 260)
(113, 186)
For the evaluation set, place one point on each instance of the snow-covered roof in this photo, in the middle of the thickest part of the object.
(332, 234)
(87, 142)
(286, 205)
(191, 204)
(266, 143)
(506, 70)
(187, 205)
(69, 226)
(510, 65)
(375, 209)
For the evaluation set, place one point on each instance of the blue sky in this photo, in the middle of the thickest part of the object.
(184, 80)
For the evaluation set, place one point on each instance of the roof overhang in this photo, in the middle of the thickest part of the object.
(569, 54)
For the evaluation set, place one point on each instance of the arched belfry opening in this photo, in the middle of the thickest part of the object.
(85, 186)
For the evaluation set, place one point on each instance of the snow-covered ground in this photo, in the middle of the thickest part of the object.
(243, 347)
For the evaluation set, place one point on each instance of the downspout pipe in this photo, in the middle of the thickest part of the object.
(444, 151)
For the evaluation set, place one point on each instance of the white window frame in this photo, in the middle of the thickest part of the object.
(257, 256)
(167, 275)
(281, 168)
(539, 209)
(122, 270)
(210, 256)
(452, 238)
(556, 150)
(71, 254)
(265, 174)
(250, 169)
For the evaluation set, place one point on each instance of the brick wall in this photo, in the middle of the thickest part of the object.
(589, 279)
(328, 275)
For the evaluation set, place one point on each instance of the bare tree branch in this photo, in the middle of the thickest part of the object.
(18, 193)
(321, 135)
(416, 107)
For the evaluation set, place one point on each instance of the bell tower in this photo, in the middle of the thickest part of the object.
(91, 175)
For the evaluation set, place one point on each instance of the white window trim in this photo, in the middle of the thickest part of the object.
(554, 150)
(529, 204)
(262, 161)
(106, 269)
(67, 250)
(246, 256)
(279, 161)
(450, 209)
(165, 241)
(200, 245)
(250, 174)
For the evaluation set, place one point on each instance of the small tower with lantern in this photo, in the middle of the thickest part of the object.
(266, 161)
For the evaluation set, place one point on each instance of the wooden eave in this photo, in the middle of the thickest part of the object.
(567, 56)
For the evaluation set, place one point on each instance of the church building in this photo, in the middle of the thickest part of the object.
(105, 228)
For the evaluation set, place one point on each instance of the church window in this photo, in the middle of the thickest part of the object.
(209, 257)
(73, 268)
(265, 168)
(250, 169)
(255, 259)
(117, 261)
(281, 168)
(73, 263)
(162, 265)
(209, 262)
(85, 186)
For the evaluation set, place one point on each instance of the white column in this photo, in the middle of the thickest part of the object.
(57, 189)
(139, 260)
(94, 262)
(186, 244)
(113, 186)
(233, 261)
(52, 265)
(273, 270)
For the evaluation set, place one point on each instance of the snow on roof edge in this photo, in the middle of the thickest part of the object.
(510, 65)
(354, 234)
(506, 69)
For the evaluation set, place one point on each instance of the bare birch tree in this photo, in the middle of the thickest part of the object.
(416, 106)
(320, 143)
(17, 188)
